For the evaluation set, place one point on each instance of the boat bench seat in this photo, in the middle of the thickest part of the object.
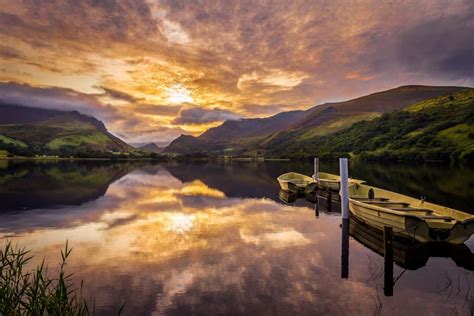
(411, 209)
(364, 198)
(385, 202)
(446, 218)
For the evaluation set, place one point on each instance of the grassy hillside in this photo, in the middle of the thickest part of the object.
(151, 148)
(29, 131)
(330, 117)
(234, 135)
(441, 128)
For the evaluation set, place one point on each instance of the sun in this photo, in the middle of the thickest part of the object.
(178, 93)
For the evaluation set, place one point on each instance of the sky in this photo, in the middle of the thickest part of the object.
(153, 70)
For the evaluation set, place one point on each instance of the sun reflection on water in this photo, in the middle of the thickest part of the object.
(162, 243)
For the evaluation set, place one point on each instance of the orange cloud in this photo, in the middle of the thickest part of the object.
(249, 61)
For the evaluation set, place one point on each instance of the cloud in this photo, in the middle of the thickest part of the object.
(230, 56)
(123, 122)
(9, 52)
(197, 115)
(157, 109)
(55, 98)
(279, 79)
(174, 33)
(442, 47)
(118, 95)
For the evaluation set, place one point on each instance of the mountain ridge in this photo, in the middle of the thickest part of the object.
(27, 131)
(315, 121)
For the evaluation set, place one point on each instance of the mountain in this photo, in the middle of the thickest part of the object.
(251, 136)
(248, 128)
(28, 131)
(152, 148)
(437, 129)
(234, 135)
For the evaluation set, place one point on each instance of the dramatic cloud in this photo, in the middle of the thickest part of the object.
(196, 115)
(118, 95)
(55, 98)
(146, 59)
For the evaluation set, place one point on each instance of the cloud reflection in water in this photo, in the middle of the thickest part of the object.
(168, 246)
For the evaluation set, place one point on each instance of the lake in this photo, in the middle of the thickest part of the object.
(215, 238)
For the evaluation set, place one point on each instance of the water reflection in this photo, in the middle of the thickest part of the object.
(189, 239)
(25, 185)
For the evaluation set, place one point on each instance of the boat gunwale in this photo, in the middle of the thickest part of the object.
(305, 177)
(338, 179)
(404, 214)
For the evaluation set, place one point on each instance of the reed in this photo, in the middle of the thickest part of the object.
(33, 291)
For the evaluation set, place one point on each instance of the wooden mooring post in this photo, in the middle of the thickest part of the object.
(316, 169)
(344, 191)
(316, 177)
(388, 260)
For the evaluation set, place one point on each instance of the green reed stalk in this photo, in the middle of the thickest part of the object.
(34, 292)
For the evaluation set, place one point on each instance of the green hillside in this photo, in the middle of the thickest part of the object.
(257, 136)
(28, 131)
(441, 128)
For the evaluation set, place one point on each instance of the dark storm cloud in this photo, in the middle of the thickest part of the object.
(197, 115)
(55, 98)
(443, 47)
(157, 109)
(118, 95)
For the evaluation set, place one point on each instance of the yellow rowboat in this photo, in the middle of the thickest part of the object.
(296, 182)
(409, 217)
(332, 181)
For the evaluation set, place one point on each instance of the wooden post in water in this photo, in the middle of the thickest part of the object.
(388, 260)
(344, 194)
(316, 169)
(344, 187)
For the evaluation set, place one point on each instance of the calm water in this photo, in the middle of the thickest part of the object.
(216, 239)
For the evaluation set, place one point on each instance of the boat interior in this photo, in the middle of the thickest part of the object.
(404, 205)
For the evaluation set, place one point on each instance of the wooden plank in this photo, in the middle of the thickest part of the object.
(385, 202)
(437, 217)
(411, 209)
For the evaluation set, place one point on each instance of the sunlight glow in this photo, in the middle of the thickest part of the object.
(179, 94)
(181, 223)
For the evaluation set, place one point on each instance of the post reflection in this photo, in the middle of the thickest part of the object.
(345, 248)
(199, 243)
(404, 253)
(388, 260)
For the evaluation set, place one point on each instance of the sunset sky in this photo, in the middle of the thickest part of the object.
(152, 70)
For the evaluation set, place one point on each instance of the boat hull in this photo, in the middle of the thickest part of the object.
(329, 185)
(296, 183)
(416, 225)
(328, 181)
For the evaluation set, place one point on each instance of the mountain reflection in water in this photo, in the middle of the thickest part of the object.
(208, 239)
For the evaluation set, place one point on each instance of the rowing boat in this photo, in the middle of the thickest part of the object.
(296, 182)
(332, 181)
(409, 217)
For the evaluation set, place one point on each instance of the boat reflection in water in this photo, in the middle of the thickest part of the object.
(180, 239)
(411, 255)
(406, 253)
